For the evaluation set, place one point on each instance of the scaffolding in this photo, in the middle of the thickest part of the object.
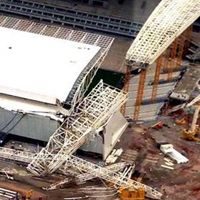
(156, 78)
(109, 173)
(117, 178)
(83, 176)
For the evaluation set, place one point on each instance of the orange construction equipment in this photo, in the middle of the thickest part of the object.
(191, 134)
(128, 194)
(29, 194)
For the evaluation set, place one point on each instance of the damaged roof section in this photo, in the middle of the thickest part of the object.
(188, 83)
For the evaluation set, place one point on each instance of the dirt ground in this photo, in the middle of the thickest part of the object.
(182, 182)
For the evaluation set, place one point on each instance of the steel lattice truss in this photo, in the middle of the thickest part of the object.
(117, 178)
(88, 176)
(81, 178)
(90, 115)
(169, 19)
(92, 170)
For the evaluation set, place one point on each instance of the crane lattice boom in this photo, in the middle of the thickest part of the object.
(91, 114)
(114, 177)
(109, 173)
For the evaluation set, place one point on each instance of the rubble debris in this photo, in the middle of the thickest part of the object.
(129, 156)
(8, 194)
(187, 84)
(169, 150)
(168, 162)
(114, 156)
(167, 167)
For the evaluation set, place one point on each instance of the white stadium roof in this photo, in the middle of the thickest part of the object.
(40, 68)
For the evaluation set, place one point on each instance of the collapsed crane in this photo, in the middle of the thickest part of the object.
(168, 21)
(92, 113)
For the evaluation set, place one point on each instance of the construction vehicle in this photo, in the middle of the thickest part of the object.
(182, 121)
(131, 194)
(194, 130)
(169, 19)
(29, 194)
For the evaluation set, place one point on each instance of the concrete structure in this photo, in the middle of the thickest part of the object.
(104, 143)
(149, 109)
(44, 77)
(187, 84)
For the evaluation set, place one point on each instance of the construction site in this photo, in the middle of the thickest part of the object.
(100, 99)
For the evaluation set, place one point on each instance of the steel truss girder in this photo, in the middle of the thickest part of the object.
(168, 20)
(92, 113)
(81, 178)
(16, 155)
(118, 178)
(108, 173)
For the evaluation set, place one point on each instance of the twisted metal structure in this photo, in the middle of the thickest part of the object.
(91, 114)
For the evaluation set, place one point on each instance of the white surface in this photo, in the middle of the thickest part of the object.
(168, 20)
(178, 157)
(169, 150)
(28, 106)
(39, 67)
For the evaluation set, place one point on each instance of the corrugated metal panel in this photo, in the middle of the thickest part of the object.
(30, 126)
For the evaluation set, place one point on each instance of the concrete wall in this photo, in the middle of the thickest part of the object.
(27, 125)
(112, 132)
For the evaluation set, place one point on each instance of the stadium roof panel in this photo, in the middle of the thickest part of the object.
(39, 67)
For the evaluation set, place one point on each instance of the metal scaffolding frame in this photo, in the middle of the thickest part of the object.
(109, 173)
(16, 155)
(84, 176)
(156, 78)
(118, 178)
(92, 113)
(140, 93)
(169, 19)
